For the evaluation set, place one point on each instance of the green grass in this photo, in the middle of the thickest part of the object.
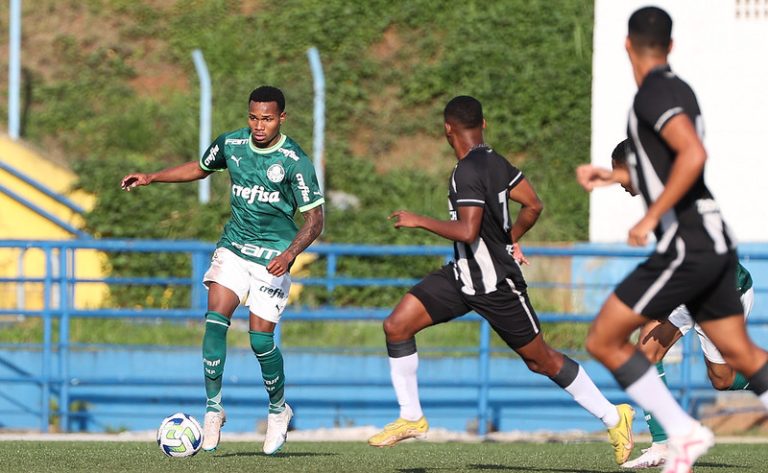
(334, 457)
(296, 334)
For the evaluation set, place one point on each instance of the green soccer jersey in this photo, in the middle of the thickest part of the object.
(268, 186)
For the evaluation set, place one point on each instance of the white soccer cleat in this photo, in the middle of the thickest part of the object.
(684, 451)
(212, 429)
(277, 430)
(651, 457)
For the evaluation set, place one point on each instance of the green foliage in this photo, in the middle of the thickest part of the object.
(389, 67)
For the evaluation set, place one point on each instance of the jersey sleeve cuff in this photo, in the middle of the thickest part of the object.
(470, 202)
(665, 117)
(206, 168)
(515, 180)
(312, 205)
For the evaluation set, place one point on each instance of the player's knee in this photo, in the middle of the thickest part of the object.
(594, 345)
(395, 329)
(262, 342)
(650, 352)
(548, 369)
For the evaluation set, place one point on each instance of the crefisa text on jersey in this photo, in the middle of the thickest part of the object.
(257, 192)
(302, 187)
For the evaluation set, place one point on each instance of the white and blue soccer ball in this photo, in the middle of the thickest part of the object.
(180, 435)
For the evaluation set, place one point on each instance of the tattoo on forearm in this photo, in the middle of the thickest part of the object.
(313, 226)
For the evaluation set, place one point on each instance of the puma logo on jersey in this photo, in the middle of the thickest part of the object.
(236, 160)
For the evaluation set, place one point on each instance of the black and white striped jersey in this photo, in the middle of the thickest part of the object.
(483, 178)
(696, 217)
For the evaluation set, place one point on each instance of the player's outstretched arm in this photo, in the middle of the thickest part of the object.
(312, 228)
(590, 176)
(530, 208)
(465, 229)
(186, 172)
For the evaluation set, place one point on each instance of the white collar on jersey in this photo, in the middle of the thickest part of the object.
(477, 146)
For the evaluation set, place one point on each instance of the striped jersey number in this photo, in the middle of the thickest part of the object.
(504, 208)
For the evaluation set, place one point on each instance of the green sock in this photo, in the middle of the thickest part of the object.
(657, 432)
(740, 383)
(214, 356)
(271, 361)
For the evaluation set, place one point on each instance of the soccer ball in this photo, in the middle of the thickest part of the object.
(180, 435)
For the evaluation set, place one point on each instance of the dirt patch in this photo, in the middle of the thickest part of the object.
(250, 7)
(427, 153)
(158, 77)
(389, 46)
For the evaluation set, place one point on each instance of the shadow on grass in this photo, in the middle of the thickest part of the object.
(719, 465)
(530, 468)
(281, 455)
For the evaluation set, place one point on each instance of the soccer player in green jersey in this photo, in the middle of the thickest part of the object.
(271, 177)
(658, 336)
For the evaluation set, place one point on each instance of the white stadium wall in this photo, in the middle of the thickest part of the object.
(721, 49)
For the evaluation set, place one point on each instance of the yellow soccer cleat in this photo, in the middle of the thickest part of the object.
(398, 430)
(621, 435)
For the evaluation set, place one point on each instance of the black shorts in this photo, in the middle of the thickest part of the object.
(702, 280)
(507, 309)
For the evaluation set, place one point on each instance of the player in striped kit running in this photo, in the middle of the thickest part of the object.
(485, 277)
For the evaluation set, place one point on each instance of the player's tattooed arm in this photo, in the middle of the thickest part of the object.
(313, 226)
(530, 209)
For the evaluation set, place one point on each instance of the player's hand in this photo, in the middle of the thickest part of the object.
(279, 265)
(589, 176)
(638, 235)
(134, 180)
(517, 254)
(403, 218)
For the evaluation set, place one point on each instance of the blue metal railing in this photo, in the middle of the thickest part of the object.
(59, 282)
(42, 188)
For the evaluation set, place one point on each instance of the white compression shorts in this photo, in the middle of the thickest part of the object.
(681, 318)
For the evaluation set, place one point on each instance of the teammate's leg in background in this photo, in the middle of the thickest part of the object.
(222, 302)
(729, 336)
(722, 376)
(655, 340)
(400, 328)
(569, 375)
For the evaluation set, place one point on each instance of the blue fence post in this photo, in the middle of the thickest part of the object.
(64, 291)
(330, 285)
(198, 293)
(485, 377)
(45, 409)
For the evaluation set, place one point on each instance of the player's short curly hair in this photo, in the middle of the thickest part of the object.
(650, 28)
(267, 93)
(464, 110)
(621, 151)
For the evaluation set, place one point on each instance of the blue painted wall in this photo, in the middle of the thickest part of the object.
(173, 381)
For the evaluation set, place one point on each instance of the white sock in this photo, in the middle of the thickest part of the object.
(650, 393)
(590, 398)
(405, 382)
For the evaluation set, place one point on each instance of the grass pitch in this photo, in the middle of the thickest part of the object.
(412, 457)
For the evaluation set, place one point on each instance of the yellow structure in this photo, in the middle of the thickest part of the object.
(18, 222)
